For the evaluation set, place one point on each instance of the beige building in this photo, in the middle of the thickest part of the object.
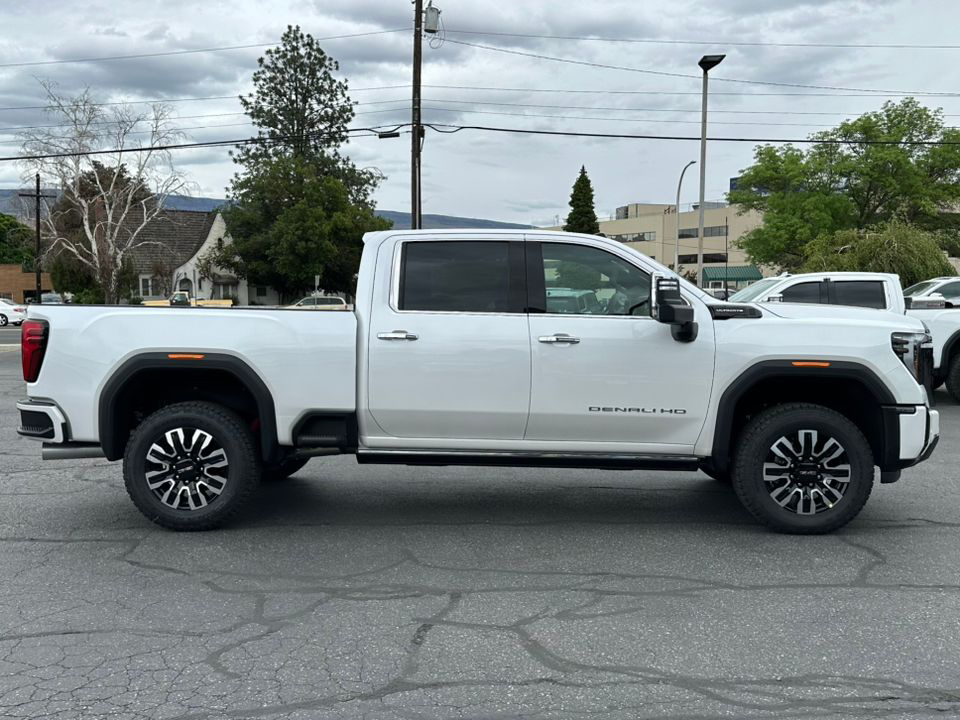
(651, 228)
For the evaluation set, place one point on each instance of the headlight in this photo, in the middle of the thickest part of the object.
(915, 350)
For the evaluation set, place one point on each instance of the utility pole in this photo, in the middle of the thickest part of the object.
(37, 195)
(417, 129)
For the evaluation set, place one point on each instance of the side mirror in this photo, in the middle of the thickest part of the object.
(668, 307)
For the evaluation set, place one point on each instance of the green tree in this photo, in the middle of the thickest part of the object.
(894, 246)
(302, 110)
(882, 165)
(298, 208)
(15, 241)
(290, 222)
(582, 217)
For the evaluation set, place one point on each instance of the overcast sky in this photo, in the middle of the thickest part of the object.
(499, 176)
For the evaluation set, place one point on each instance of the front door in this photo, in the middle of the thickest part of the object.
(603, 369)
(449, 353)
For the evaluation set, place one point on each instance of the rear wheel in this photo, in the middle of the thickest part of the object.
(802, 468)
(191, 466)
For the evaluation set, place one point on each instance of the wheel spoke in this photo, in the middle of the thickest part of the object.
(187, 469)
(806, 471)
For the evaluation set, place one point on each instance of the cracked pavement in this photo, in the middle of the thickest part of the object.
(409, 593)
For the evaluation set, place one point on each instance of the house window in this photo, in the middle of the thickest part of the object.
(146, 285)
(261, 291)
(224, 291)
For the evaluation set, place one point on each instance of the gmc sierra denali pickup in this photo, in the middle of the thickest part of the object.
(485, 347)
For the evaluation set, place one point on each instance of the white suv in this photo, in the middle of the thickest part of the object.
(11, 312)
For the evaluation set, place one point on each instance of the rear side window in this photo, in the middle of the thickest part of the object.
(805, 292)
(461, 276)
(860, 293)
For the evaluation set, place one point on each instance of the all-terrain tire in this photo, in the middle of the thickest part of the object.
(195, 488)
(803, 426)
(282, 470)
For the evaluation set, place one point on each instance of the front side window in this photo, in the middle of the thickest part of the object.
(859, 293)
(919, 289)
(950, 292)
(805, 292)
(582, 280)
(460, 276)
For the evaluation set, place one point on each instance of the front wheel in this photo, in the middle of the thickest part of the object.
(3, 320)
(803, 468)
(191, 466)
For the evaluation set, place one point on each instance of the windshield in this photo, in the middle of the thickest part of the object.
(752, 292)
(920, 288)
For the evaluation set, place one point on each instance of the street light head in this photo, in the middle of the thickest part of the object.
(709, 62)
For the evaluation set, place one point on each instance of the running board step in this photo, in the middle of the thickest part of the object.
(509, 459)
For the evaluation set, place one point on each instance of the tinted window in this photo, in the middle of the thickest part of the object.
(919, 288)
(861, 293)
(583, 280)
(950, 292)
(462, 276)
(754, 291)
(329, 301)
(807, 292)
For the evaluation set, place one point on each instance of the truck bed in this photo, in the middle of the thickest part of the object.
(315, 354)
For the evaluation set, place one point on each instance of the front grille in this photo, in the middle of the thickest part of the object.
(925, 369)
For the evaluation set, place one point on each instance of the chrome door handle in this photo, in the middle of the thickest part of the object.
(559, 338)
(397, 335)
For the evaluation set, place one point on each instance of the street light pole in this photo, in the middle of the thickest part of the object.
(707, 63)
(416, 129)
(676, 246)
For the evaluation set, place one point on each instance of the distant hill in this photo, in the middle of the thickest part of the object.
(10, 205)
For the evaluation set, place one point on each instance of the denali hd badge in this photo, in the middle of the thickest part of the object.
(638, 410)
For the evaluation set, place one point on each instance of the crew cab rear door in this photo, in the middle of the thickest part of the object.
(606, 371)
(449, 351)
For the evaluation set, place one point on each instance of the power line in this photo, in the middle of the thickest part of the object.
(673, 92)
(167, 53)
(618, 119)
(451, 129)
(664, 73)
(735, 43)
(180, 117)
(171, 101)
(184, 146)
(636, 109)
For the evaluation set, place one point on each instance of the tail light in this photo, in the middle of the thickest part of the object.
(33, 345)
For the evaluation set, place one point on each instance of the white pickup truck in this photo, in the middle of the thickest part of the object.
(932, 302)
(488, 348)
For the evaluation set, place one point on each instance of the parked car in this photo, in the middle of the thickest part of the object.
(11, 312)
(182, 298)
(576, 302)
(320, 302)
(947, 288)
(882, 291)
(452, 358)
(856, 289)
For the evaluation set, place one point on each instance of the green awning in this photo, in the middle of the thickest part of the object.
(734, 273)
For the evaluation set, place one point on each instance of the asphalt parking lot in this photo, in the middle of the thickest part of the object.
(366, 592)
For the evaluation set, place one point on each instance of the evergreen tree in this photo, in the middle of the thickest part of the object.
(298, 208)
(302, 111)
(582, 217)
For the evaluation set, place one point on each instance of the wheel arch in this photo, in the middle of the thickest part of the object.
(852, 389)
(236, 382)
(950, 348)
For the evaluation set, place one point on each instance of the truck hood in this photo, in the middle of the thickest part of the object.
(842, 313)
